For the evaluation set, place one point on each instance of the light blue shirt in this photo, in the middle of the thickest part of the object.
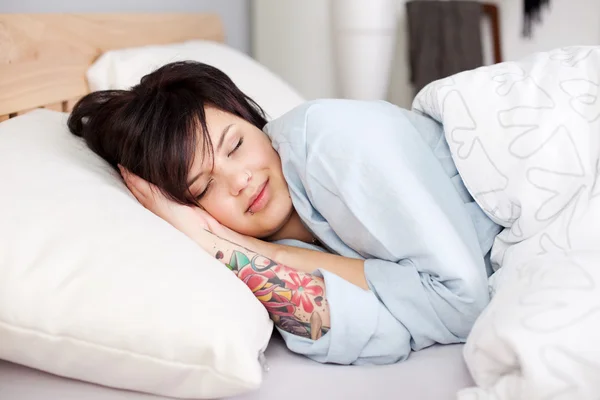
(376, 182)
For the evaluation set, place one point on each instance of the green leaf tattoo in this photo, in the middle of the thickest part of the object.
(238, 261)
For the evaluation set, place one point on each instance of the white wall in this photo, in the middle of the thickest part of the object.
(566, 23)
(234, 13)
(293, 38)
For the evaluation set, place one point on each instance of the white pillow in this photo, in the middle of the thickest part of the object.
(95, 287)
(122, 69)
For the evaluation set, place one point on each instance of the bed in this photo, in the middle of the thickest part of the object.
(43, 61)
(290, 376)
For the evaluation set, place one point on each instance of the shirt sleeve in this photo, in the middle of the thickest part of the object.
(378, 339)
(380, 194)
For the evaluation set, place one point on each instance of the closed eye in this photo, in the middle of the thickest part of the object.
(201, 195)
(237, 146)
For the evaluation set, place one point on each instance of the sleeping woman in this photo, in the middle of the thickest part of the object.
(347, 219)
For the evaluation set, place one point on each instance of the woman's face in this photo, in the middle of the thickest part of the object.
(244, 189)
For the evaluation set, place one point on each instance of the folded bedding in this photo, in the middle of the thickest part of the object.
(525, 138)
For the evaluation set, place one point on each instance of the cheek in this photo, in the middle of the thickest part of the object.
(222, 209)
(261, 154)
(226, 211)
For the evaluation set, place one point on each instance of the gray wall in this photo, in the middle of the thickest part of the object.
(234, 13)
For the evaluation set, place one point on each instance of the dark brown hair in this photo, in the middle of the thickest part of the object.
(153, 128)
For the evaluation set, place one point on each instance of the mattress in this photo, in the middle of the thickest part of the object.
(434, 373)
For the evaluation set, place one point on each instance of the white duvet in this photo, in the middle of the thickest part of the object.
(525, 137)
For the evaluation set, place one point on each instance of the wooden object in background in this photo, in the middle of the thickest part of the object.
(491, 11)
(44, 57)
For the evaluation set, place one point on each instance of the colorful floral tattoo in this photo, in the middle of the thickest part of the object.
(295, 300)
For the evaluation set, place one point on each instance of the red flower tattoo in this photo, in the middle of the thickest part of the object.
(301, 288)
(275, 298)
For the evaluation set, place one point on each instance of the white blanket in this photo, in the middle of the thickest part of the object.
(525, 137)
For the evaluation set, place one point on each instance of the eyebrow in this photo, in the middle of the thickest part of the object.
(221, 141)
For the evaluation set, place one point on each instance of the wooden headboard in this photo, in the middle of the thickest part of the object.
(44, 57)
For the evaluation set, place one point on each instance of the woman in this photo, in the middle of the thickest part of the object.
(405, 262)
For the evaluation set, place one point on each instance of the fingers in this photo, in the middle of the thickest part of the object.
(146, 193)
(136, 192)
(132, 180)
(136, 185)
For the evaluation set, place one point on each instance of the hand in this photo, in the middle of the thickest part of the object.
(187, 219)
(191, 220)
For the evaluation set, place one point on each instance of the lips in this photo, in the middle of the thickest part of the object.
(259, 198)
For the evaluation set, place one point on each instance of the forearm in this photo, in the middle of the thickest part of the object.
(349, 269)
(295, 300)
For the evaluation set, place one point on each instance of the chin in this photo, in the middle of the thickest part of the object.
(280, 221)
(260, 232)
(267, 232)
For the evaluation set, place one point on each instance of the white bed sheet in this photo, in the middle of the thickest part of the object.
(436, 373)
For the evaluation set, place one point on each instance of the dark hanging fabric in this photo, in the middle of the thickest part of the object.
(444, 38)
(532, 13)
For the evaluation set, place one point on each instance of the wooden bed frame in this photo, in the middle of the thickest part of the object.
(44, 57)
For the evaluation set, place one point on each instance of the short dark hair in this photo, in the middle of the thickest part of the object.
(153, 128)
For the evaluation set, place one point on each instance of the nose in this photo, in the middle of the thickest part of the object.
(238, 180)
